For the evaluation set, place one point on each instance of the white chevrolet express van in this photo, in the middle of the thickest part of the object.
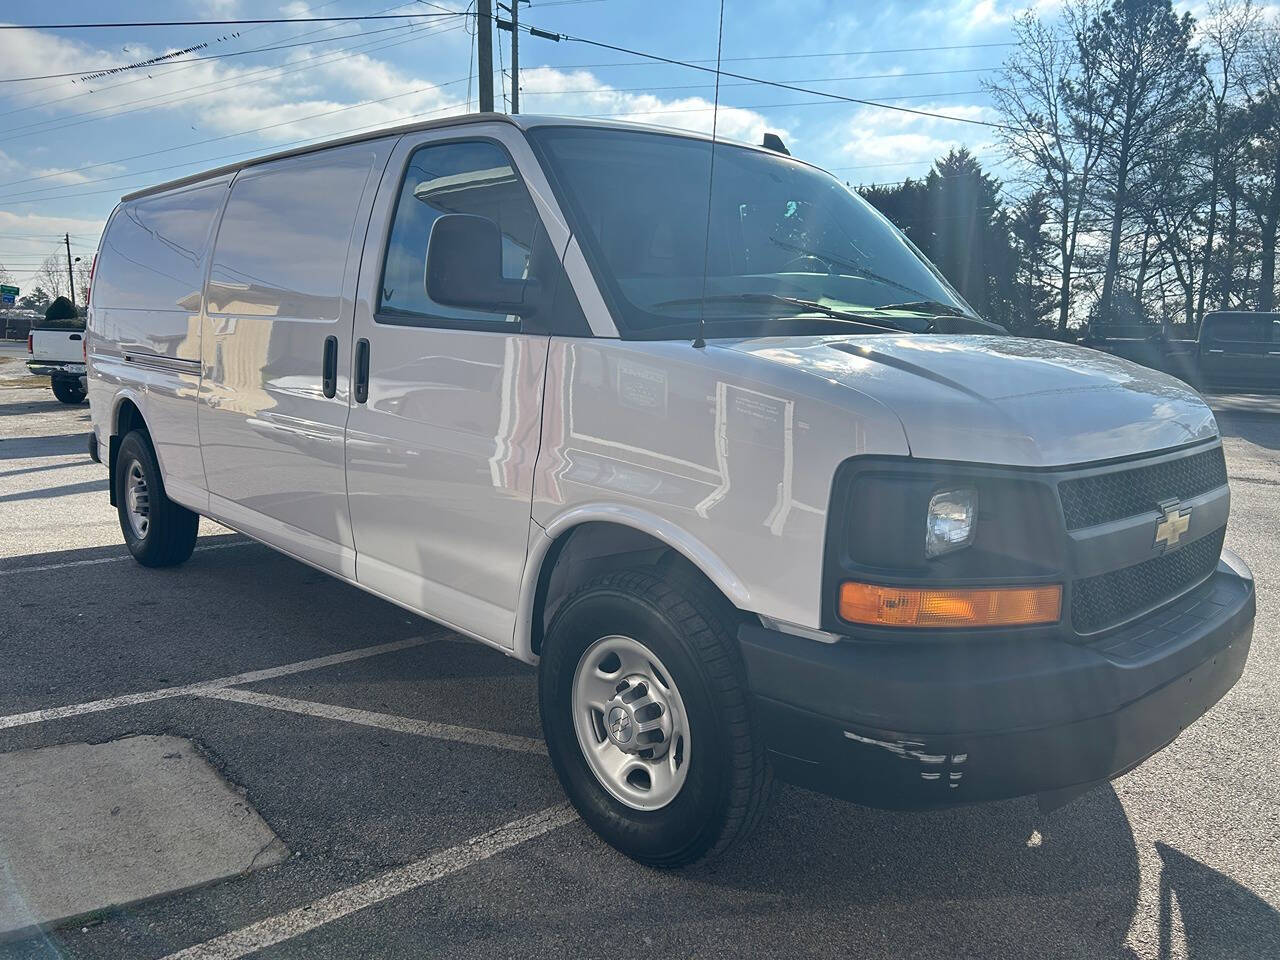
(799, 514)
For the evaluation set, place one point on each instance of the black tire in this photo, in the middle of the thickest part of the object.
(68, 391)
(691, 630)
(171, 529)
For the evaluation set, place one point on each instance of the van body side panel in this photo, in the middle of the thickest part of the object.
(145, 323)
(282, 281)
(736, 468)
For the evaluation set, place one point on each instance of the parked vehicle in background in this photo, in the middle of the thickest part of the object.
(1151, 345)
(57, 350)
(728, 459)
(1240, 349)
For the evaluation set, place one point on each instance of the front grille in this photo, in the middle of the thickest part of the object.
(1113, 597)
(1104, 497)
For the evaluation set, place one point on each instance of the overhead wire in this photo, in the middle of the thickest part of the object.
(112, 111)
(314, 116)
(176, 68)
(214, 23)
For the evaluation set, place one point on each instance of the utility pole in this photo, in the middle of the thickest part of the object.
(515, 56)
(484, 53)
(512, 26)
(70, 279)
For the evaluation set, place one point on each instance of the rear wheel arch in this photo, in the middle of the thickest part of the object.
(126, 416)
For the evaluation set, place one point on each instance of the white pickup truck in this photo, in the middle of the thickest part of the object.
(58, 352)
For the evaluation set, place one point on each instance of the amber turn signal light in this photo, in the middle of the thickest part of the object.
(880, 606)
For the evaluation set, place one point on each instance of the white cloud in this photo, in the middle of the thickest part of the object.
(892, 145)
(581, 94)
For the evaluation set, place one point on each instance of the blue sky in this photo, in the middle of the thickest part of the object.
(70, 148)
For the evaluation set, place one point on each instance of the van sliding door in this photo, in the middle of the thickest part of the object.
(276, 347)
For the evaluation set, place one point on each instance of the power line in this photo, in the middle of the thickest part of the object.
(215, 23)
(547, 34)
(27, 196)
(228, 83)
(216, 56)
(184, 65)
(795, 56)
(706, 86)
(282, 123)
(372, 128)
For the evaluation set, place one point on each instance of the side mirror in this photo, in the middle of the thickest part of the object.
(464, 267)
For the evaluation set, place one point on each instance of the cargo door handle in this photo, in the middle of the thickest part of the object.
(329, 370)
(75, 336)
(362, 370)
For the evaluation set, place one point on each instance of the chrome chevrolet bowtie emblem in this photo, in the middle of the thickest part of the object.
(1174, 521)
(620, 724)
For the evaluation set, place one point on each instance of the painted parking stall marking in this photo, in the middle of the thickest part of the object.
(343, 903)
(386, 721)
(205, 686)
(97, 560)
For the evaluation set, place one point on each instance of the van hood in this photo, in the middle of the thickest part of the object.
(1005, 400)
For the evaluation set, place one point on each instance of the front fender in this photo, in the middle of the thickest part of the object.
(708, 561)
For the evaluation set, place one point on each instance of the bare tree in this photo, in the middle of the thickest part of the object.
(52, 276)
(82, 283)
(1151, 80)
(1263, 176)
(1057, 145)
(1228, 31)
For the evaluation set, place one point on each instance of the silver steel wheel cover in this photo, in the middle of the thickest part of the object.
(631, 723)
(137, 500)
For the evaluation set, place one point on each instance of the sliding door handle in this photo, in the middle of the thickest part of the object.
(362, 370)
(329, 370)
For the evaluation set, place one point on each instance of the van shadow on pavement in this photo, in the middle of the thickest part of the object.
(993, 880)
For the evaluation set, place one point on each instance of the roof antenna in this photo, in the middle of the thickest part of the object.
(699, 342)
(774, 142)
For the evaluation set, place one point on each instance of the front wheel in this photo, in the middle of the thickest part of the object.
(157, 531)
(68, 391)
(645, 711)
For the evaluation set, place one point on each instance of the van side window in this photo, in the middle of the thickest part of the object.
(153, 254)
(285, 237)
(1242, 328)
(468, 177)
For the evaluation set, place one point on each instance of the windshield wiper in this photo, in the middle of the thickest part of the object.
(927, 306)
(814, 306)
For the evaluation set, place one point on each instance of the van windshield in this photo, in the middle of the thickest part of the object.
(781, 238)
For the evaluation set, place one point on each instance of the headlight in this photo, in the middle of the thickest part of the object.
(951, 521)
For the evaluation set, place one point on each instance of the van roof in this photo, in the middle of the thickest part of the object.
(522, 121)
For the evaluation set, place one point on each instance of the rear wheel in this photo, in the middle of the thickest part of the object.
(644, 707)
(157, 531)
(68, 391)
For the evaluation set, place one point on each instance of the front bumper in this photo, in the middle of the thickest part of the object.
(917, 724)
(55, 368)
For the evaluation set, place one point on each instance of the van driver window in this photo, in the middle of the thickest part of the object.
(476, 178)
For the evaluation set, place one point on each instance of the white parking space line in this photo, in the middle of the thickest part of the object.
(202, 686)
(127, 556)
(387, 721)
(343, 903)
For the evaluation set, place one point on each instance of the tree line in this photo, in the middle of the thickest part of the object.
(1145, 147)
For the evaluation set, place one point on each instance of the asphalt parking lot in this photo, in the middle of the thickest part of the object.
(399, 772)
